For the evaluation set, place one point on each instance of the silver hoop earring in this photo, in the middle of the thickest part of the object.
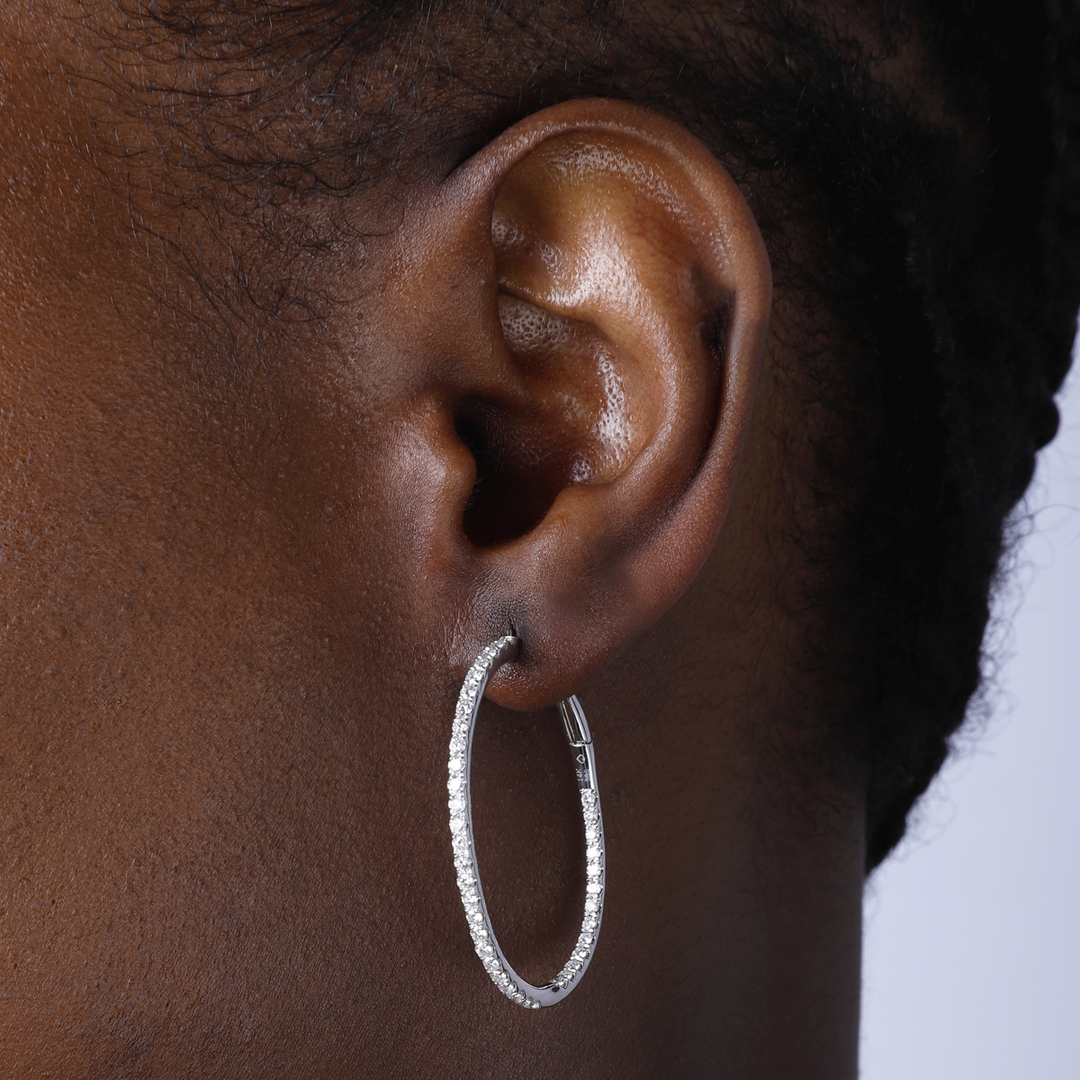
(461, 830)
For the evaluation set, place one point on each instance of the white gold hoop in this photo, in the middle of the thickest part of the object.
(461, 830)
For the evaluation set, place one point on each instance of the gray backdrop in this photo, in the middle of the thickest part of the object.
(972, 956)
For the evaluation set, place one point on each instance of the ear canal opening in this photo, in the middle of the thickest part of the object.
(515, 484)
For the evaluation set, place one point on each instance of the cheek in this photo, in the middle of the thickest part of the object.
(213, 698)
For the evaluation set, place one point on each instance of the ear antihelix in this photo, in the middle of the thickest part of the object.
(570, 424)
(604, 231)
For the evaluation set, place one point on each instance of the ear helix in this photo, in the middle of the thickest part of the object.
(622, 300)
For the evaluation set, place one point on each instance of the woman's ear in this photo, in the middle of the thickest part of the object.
(590, 295)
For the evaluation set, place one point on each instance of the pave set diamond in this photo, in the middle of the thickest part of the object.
(468, 876)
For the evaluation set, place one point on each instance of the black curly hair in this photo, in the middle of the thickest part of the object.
(972, 314)
(955, 259)
(952, 258)
(947, 249)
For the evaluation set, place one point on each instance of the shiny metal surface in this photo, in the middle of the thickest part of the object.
(468, 875)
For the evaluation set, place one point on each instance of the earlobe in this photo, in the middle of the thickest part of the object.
(624, 305)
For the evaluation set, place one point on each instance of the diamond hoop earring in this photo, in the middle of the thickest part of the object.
(468, 874)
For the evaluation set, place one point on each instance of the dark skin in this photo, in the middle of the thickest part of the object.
(234, 632)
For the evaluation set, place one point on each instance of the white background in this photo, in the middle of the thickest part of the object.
(972, 955)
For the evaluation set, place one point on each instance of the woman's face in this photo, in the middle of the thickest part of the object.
(277, 460)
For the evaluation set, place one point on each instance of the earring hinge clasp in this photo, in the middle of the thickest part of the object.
(573, 721)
